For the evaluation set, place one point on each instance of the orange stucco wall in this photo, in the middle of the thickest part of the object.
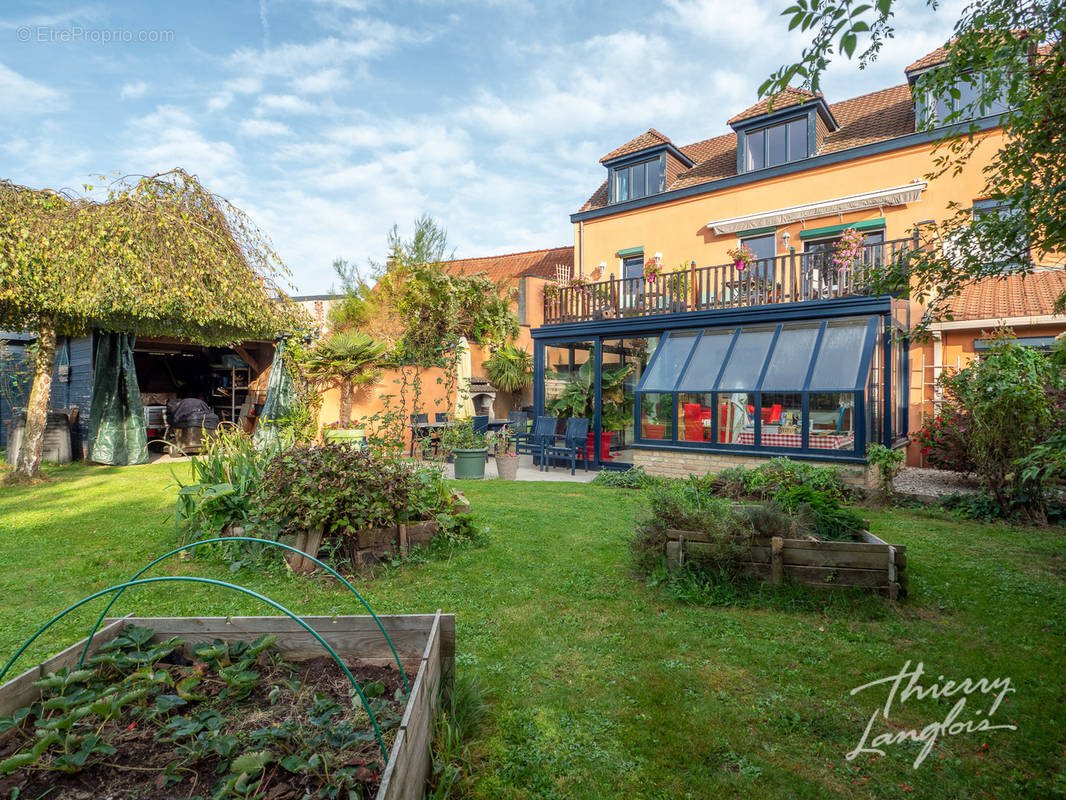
(678, 229)
(434, 396)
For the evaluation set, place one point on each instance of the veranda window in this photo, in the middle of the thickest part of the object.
(791, 387)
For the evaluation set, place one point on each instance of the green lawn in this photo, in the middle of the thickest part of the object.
(604, 687)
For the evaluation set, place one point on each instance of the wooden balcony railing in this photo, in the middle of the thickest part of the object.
(792, 278)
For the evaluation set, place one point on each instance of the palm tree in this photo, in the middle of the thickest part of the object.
(346, 359)
(510, 368)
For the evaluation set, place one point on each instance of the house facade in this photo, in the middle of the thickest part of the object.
(722, 314)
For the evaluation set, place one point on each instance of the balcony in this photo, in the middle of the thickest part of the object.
(793, 278)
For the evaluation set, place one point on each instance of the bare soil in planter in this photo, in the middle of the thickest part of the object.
(225, 722)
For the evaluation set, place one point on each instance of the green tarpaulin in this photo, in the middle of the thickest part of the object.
(279, 399)
(116, 418)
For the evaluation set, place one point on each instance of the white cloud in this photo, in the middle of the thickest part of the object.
(264, 127)
(245, 84)
(22, 96)
(169, 138)
(326, 80)
(366, 39)
(724, 22)
(133, 90)
(285, 104)
(219, 102)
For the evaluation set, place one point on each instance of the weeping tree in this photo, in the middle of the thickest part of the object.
(346, 359)
(160, 256)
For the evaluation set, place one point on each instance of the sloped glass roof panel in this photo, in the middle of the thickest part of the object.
(747, 359)
(791, 358)
(665, 368)
(706, 363)
(838, 363)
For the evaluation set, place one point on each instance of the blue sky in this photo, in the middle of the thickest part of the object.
(329, 120)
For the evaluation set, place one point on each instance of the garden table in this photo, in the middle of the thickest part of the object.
(832, 442)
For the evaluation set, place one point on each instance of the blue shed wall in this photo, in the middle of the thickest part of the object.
(73, 389)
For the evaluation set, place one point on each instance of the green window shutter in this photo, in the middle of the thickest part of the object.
(833, 230)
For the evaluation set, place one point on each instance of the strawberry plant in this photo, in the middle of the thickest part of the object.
(230, 721)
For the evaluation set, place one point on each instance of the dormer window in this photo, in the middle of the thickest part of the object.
(639, 179)
(777, 144)
(946, 108)
(788, 127)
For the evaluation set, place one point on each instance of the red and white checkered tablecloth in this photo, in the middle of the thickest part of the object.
(834, 442)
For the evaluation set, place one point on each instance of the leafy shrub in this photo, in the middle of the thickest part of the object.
(944, 440)
(888, 462)
(972, 505)
(346, 490)
(635, 478)
(685, 505)
(461, 436)
(221, 493)
(830, 521)
(770, 519)
(780, 474)
(1016, 399)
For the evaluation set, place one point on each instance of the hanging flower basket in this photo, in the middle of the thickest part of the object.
(652, 270)
(742, 257)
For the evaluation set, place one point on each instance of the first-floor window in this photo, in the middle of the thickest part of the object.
(765, 249)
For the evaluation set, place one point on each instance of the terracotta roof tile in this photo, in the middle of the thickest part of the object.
(874, 117)
(715, 159)
(871, 118)
(1031, 295)
(510, 267)
(940, 55)
(652, 138)
(783, 99)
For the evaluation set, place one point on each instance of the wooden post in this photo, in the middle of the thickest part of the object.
(674, 555)
(403, 539)
(893, 586)
(777, 565)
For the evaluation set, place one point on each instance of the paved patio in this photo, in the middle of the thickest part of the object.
(528, 472)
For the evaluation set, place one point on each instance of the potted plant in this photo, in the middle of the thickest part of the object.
(742, 257)
(506, 455)
(578, 400)
(345, 433)
(847, 258)
(657, 418)
(467, 448)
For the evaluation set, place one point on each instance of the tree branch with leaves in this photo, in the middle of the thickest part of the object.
(1007, 59)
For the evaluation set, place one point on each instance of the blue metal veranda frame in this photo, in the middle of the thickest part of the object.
(595, 332)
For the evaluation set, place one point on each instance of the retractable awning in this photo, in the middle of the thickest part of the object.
(895, 196)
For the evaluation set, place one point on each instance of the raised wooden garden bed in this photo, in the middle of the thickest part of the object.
(372, 544)
(869, 564)
(425, 644)
(367, 546)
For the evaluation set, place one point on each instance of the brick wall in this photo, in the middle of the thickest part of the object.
(675, 464)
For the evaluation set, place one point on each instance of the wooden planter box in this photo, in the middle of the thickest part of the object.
(425, 644)
(367, 546)
(869, 564)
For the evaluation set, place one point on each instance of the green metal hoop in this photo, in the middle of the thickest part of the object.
(211, 582)
(333, 572)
